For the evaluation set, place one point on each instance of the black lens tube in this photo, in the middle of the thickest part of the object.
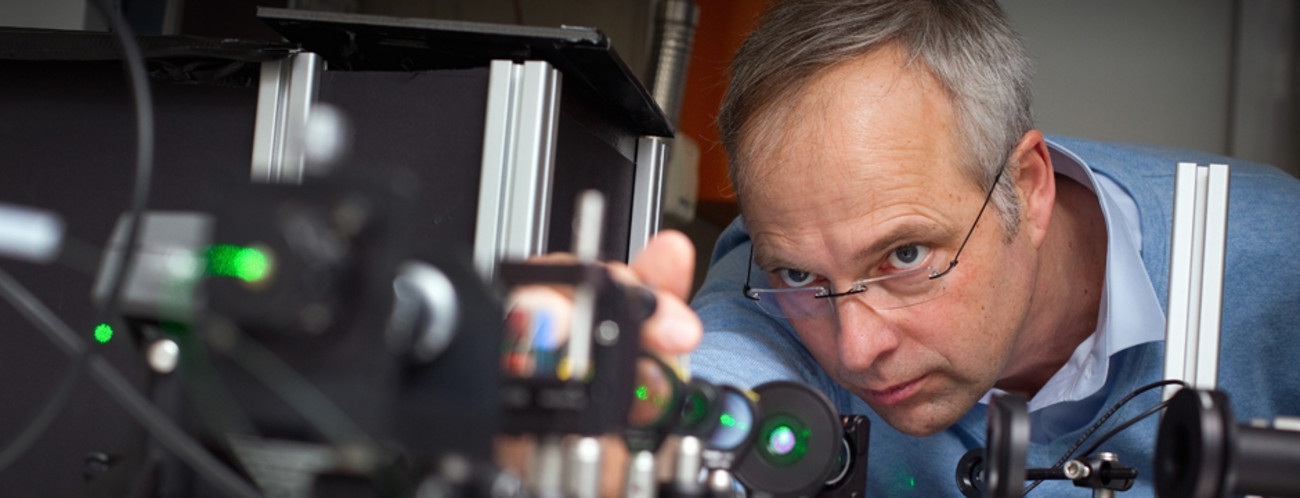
(1201, 452)
(1267, 463)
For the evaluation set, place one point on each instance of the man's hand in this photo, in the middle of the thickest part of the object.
(666, 267)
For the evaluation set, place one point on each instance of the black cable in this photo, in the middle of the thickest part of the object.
(1113, 409)
(57, 401)
(121, 390)
(33, 431)
(1097, 425)
(1105, 437)
(116, 273)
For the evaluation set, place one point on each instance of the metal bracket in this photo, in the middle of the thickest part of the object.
(285, 95)
(518, 162)
(647, 193)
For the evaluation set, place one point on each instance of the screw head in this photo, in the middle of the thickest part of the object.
(164, 355)
(607, 333)
(1075, 469)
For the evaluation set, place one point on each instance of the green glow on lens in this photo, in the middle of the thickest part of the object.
(911, 482)
(693, 412)
(642, 393)
(245, 263)
(103, 333)
(728, 420)
(782, 440)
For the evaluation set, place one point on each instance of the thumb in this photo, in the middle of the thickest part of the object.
(667, 266)
(667, 263)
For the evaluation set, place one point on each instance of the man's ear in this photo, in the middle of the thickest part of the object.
(1035, 182)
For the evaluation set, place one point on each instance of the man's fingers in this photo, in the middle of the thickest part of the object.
(673, 329)
(666, 266)
(668, 263)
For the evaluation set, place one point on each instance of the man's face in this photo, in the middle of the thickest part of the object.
(861, 178)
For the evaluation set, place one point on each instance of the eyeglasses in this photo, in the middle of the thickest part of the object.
(893, 291)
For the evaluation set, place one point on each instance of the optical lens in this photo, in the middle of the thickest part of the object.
(736, 421)
(694, 409)
(784, 440)
(653, 398)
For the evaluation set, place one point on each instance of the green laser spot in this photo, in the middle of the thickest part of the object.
(103, 333)
(245, 263)
(642, 393)
(911, 482)
(728, 420)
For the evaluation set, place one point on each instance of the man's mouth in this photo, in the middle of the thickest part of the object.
(893, 394)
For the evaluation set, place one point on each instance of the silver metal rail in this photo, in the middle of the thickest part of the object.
(285, 95)
(518, 162)
(647, 193)
(1196, 262)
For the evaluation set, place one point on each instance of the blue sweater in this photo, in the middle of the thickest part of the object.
(1260, 336)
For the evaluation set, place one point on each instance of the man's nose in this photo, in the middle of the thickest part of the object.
(862, 335)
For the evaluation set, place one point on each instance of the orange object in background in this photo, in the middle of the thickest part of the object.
(723, 26)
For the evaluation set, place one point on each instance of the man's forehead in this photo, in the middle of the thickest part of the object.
(864, 157)
(855, 118)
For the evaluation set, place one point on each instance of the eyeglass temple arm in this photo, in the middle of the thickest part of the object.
(987, 197)
(749, 269)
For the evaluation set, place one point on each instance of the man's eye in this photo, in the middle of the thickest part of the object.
(795, 278)
(908, 256)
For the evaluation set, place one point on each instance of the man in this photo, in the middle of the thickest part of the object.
(866, 139)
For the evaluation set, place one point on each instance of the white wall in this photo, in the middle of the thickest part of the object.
(1167, 72)
(1154, 71)
(1266, 117)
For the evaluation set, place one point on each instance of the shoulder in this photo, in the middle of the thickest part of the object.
(1264, 202)
(1129, 162)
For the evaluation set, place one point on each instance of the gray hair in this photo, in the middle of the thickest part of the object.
(966, 44)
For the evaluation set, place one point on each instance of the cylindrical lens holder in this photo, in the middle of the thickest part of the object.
(1202, 452)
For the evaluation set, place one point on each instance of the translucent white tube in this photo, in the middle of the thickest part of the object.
(29, 234)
